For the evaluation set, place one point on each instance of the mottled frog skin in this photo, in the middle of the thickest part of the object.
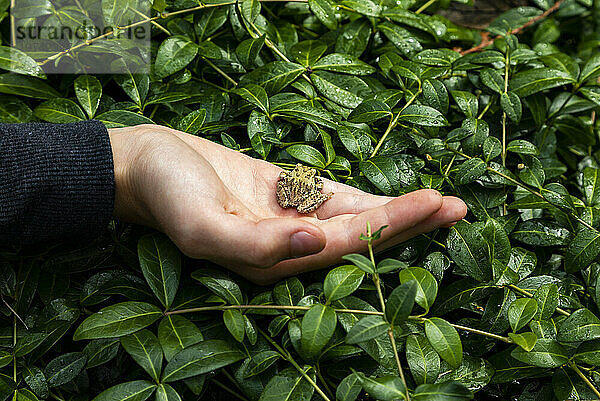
(301, 188)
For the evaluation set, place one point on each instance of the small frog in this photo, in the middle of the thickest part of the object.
(301, 188)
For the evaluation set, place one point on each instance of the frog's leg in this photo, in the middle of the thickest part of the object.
(319, 183)
(313, 202)
(284, 195)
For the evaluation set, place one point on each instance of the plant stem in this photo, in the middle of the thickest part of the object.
(530, 295)
(425, 6)
(286, 355)
(220, 71)
(227, 389)
(272, 307)
(377, 283)
(398, 363)
(525, 187)
(469, 329)
(587, 381)
(14, 346)
(394, 122)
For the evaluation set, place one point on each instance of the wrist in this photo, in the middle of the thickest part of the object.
(127, 206)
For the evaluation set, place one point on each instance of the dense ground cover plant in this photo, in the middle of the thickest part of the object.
(504, 305)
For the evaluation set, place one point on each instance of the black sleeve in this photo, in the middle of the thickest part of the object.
(56, 181)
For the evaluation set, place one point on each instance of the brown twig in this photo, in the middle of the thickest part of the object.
(486, 40)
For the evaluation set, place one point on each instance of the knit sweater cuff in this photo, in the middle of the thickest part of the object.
(56, 181)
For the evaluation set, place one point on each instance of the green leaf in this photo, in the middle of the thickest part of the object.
(423, 361)
(591, 69)
(289, 384)
(546, 353)
(122, 118)
(164, 392)
(174, 54)
(144, 348)
(136, 86)
(255, 95)
(547, 300)
(220, 284)
(588, 352)
(260, 362)
(387, 388)
(523, 147)
(356, 140)
(25, 395)
(89, 92)
(344, 90)
(535, 80)
(366, 7)
(344, 63)
(448, 391)
(492, 79)
(467, 102)
(234, 321)
(533, 173)
(138, 390)
(307, 154)
(369, 111)
(342, 281)
(101, 351)
(423, 115)
(160, 261)
(250, 10)
(64, 368)
(403, 39)
(445, 340)
(435, 95)
(540, 233)
(13, 59)
(193, 122)
(401, 301)
(59, 111)
(175, 333)
(470, 170)
(360, 261)
(248, 50)
(524, 340)
(511, 105)
(520, 312)
(308, 52)
(21, 85)
(318, 325)
(117, 320)
(427, 286)
(200, 358)
(366, 329)
(349, 388)
(382, 172)
(581, 325)
(273, 76)
(468, 249)
(591, 185)
(259, 127)
(582, 251)
(325, 12)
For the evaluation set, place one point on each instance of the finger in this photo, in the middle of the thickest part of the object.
(339, 245)
(266, 242)
(400, 214)
(453, 209)
(345, 202)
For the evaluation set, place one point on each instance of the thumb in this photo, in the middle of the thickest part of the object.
(266, 242)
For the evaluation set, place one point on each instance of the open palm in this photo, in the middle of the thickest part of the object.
(218, 204)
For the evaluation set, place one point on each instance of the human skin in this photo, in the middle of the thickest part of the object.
(218, 204)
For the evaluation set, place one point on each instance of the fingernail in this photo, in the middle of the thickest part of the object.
(303, 243)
